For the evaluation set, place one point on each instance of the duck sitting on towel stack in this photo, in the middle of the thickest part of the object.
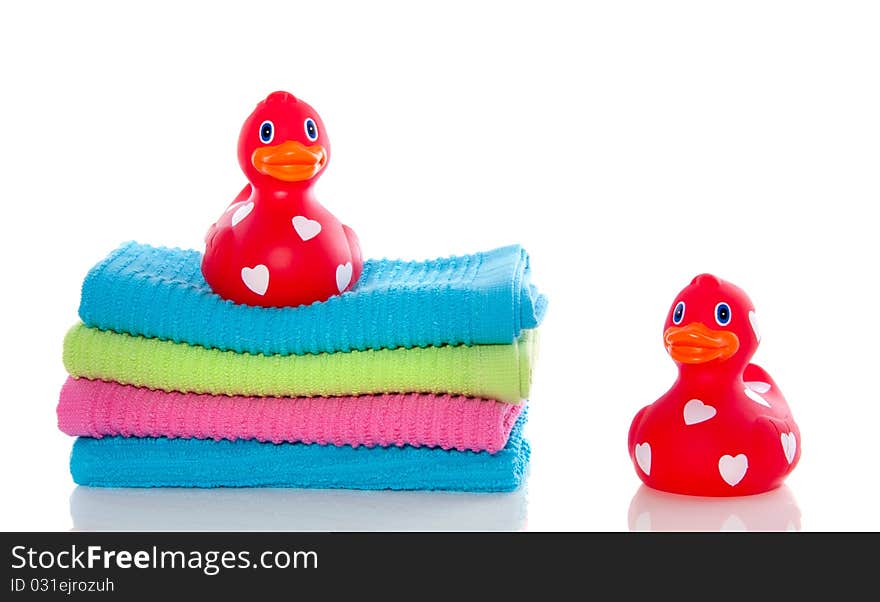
(275, 245)
(280, 358)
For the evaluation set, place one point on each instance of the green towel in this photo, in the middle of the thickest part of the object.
(501, 372)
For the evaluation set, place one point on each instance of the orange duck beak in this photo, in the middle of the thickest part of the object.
(698, 344)
(290, 161)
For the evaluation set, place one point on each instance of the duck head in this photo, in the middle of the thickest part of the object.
(283, 144)
(711, 324)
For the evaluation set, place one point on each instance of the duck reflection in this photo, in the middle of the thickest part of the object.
(652, 510)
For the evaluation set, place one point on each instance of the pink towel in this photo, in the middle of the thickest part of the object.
(95, 408)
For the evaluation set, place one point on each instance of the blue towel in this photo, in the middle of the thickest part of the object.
(133, 462)
(485, 298)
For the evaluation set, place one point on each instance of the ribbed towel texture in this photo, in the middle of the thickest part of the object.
(416, 379)
(94, 408)
(160, 462)
(479, 299)
(501, 372)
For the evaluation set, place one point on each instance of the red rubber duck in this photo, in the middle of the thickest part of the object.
(724, 427)
(275, 245)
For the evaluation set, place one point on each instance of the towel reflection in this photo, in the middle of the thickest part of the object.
(652, 510)
(259, 509)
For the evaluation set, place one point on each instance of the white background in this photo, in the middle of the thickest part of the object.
(628, 146)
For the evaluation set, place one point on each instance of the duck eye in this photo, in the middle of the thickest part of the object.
(722, 314)
(678, 313)
(267, 132)
(311, 129)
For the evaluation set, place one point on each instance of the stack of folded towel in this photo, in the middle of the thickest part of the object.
(416, 379)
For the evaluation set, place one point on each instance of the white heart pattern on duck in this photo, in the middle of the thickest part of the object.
(305, 227)
(757, 386)
(753, 320)
(789, 446)
(643, 457)
(242, 212)
(256, 278)
(755, 397)
(733, 468)
(343, 276)
(234, 206)
(695, 411)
